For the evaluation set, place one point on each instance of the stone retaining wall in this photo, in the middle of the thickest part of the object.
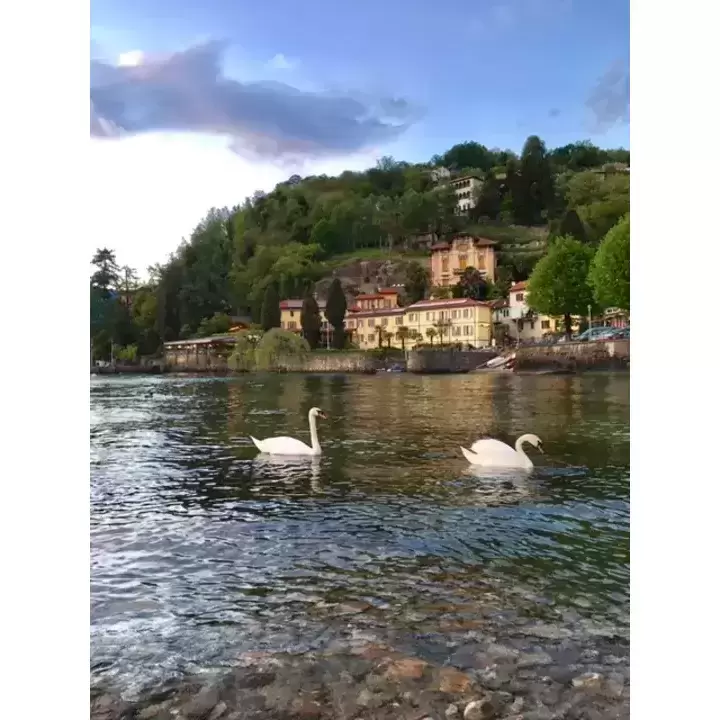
(206, 360)
(329, 362)
(447, 361)
(575, 357)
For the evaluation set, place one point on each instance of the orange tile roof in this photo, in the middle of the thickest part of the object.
(518, 286)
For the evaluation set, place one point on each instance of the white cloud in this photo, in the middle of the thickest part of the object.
(149, 191)
(130, 59)
(280, 62)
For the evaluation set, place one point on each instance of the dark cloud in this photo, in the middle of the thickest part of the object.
(188, 92)
(609, 100)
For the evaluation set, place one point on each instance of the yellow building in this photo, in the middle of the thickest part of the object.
(461, 320)
(374, 319)
(370, 328)
(449, 259)
(290, 318)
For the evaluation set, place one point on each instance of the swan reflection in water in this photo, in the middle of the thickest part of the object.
(501, 486)
(291, 468)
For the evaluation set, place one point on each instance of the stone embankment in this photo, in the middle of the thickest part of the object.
(447, 361)
(574, 357)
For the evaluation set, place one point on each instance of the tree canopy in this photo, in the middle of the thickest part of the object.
(558, 284)
(609, 275)
(305, 228)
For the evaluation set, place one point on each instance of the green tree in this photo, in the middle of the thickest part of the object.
(443, 328)
(431, 333)
(572, 226)
(310, 321)
(534, 189)
(471, 284)
(107, 275)
(488, 202)
(218, 324)
(417, 281)
(558, 284)
(270, 315)
(403, 333)
(128, 283)
(277, 347)
(609, 275)
(335, 309)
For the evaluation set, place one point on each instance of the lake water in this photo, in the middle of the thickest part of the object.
(201, 552)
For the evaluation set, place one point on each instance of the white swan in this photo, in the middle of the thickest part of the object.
(493, 453)
(291, 446)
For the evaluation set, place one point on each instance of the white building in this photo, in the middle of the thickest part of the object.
(466, 188)
(519, 322)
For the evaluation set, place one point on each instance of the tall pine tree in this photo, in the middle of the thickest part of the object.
(310, 321)
(572, 225)
(534, 190)
(270, 312)
(335, 312)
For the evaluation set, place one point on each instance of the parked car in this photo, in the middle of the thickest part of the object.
(594, 333)
(620, 334)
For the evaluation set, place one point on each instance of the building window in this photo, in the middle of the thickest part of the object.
(413, 317)
(468, 329)
(466, 313)
(505, 312)
(532, 324)
(371, 322)
(456, 330)
(519, 297)
(545, 324)
(454, 314)
(520, 325)
(384, 321)
(292, 326)
(292, 313)
(360, 323)
(462, 261)
(427, 315)
(398, 320)
(445, 263)
(371, 338)
(480, 261)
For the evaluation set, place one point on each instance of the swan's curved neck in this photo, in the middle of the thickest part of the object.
(521, 451)
(314, 442)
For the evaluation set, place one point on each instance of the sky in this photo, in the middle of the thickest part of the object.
(200, 104)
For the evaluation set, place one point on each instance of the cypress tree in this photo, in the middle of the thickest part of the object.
(310, 321)
(571, 225)
(335, 312)
(270, 312)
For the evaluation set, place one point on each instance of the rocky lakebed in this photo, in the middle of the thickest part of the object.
(535, 671)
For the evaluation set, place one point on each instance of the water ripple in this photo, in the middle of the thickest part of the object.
(201, 550)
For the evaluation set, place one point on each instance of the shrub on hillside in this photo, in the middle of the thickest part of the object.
(277, 345)
(242, 358)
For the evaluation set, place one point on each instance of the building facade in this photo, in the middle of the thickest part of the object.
(466, 189)
(518, 321)
(449, 259)
(459, 320)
